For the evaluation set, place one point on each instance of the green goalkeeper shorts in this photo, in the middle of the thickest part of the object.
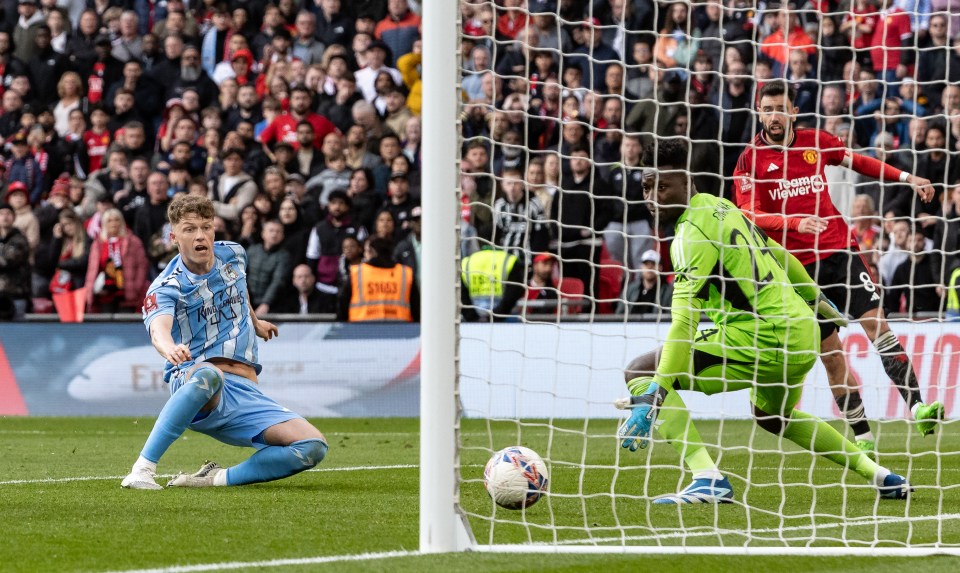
(728, 359)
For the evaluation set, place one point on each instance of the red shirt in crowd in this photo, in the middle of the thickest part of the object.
(776, 47)
(410, 19)
(778, 187)
(95, 87)
(868, 238)
(284, 128)
(97, 144)
(891, 30)
(869, 16)
(511, 22)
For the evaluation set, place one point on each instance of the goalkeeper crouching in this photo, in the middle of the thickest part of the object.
(766, 338)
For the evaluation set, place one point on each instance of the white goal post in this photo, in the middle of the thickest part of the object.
(442, 528)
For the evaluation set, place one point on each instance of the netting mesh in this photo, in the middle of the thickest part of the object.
(568, 276)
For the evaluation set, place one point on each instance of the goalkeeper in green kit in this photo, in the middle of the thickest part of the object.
(766, 337)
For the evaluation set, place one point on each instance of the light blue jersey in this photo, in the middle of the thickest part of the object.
(211, 312)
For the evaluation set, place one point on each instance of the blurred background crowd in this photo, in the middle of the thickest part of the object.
(300, 119)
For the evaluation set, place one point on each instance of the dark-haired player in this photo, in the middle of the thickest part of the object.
(780, 184)
(766, 337)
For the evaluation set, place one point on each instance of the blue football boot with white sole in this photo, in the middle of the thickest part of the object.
(702, 490)
(895, 487)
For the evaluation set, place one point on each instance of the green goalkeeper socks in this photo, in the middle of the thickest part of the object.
(812, 433)
(805, 430)
(677, 428)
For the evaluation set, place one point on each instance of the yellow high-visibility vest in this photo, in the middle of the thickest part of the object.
(485, 273)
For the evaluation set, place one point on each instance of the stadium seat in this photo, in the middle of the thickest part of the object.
(571, 294)
(611, 285)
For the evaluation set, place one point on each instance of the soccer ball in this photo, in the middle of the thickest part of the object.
(515, 477)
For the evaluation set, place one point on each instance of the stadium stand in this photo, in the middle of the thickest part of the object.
(269, 108)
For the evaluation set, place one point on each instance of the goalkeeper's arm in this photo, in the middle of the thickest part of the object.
(805, 286)
(648, 394)
(678, 347)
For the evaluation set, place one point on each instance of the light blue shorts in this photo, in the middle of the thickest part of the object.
(243, 414)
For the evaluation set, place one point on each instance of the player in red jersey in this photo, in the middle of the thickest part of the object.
(780, 184)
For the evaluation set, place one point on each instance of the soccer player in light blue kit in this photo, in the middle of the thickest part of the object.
(200, 320)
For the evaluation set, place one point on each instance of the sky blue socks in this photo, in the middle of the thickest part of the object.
(276, 462)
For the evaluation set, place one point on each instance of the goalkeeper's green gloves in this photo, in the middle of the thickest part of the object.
(825, 309)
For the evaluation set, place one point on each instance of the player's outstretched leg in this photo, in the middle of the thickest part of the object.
(202, 385)
(898, 367)
(845, 392)
(673, 423)
(292, 446)
(812, 433)
(270, 463)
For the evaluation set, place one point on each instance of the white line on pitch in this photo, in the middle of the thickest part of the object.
(415, 466)
(274, 562)
(107, 478)
(750, 532)
(399, 434)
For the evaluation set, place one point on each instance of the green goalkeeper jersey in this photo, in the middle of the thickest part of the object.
(752, 289)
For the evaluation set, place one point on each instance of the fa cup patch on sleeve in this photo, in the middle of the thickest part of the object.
(150, 304)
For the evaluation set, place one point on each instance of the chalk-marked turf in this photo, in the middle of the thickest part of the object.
(107, 478)
(274, 562)
(137, 430)
(415, 466)
(396, 554)
(853, 522)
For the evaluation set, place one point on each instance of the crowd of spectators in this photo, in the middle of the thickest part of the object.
(300, 119)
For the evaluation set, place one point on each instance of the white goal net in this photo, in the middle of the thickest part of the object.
(567, 274)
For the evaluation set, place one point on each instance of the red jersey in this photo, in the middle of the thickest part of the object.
(510, 23)
(778, 187)
(892, 28)
(776, 47)
(284, 128)
(868, 16)
(97, 144)
(868, 238)
(95, 87)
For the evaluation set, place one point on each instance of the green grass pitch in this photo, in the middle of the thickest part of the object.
(62, 508)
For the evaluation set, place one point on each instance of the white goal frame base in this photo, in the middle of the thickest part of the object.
(721, 550)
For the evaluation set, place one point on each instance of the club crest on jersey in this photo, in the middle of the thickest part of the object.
(810, 156)
(230, 272)
(720, 213)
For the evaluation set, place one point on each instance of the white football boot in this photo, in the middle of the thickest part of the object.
(203, 478)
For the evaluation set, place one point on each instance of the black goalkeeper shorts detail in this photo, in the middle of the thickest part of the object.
(846, 280)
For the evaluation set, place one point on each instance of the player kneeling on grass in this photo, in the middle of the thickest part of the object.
(766, 337)
(200, 320)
